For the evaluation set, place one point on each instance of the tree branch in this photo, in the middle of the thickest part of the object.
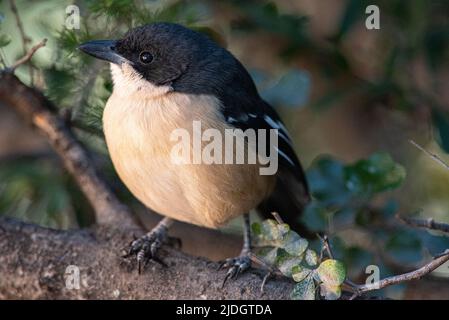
(425, 223)
(27, 57)
(25, 39)
(34, 260)
(39, 111)
(416, 274)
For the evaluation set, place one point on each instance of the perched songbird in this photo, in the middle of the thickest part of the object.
(166, 77)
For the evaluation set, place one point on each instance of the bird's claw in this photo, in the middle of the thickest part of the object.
(236, 266)
(145, 249)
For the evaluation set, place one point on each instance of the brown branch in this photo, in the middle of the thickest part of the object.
(425, 223)
(39, 111)
(27, 57)
(413, 275)
(277, 217)
(33, 264)
(25, 39)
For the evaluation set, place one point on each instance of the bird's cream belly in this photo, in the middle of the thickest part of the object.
(138, 138)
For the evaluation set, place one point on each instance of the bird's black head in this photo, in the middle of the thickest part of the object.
(170, 54)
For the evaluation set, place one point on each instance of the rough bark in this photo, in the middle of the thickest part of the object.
(33, 264)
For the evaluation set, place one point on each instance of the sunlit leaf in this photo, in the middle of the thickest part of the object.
(331, 272)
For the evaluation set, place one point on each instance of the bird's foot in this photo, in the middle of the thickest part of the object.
(235, 266)
(146, 247)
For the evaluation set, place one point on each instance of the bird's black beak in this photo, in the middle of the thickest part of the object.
(102, 49)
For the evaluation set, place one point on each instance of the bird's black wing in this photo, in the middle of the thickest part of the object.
(243, 108)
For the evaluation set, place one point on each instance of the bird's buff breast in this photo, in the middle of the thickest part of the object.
(137, 132)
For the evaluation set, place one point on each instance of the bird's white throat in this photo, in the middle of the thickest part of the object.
(128, 83)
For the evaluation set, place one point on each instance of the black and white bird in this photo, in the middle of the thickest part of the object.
(166, 77)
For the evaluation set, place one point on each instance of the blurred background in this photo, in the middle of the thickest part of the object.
(352, 99)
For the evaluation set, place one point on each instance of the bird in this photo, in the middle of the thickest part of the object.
(165, 77)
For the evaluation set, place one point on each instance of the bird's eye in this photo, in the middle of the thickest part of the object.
(146, 57)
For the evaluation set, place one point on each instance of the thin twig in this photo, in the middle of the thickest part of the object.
(27, 56)
(326, 246)
(425, 223)
(277, 217)
(416, 274)
(430, 154)
(23, 36)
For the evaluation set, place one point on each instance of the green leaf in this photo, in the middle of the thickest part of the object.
(311, 257)
(304, 290)
(271, 233)
(327, 181)
(294, 244)
(376, 174)
(269, 255)
(300, 273)
(4, 40)
(331, 272)
(286, 265)
(291, 90)
(330, 292)
(267, 232)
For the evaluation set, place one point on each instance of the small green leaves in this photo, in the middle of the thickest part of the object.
(331, 272)
(300, 273)
(287, 265)
(294, 244)
(267, 231)
(271, 233)
(285, 250)
(376, 174)
(311, 258)
(304, 290)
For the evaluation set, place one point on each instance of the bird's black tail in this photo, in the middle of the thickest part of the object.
(290, 196)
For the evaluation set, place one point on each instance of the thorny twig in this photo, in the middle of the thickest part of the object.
(27, 56)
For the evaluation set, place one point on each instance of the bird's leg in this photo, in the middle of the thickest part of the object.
(241, 263)
(145, 248)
